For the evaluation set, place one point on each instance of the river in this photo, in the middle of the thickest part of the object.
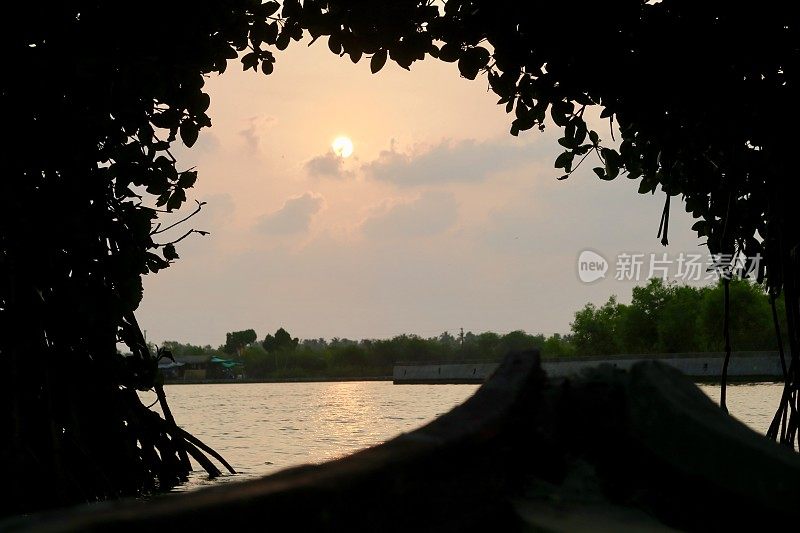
(261, 428)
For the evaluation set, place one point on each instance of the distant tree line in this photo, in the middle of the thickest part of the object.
(667, 318)
(280, 355)
(661, 318)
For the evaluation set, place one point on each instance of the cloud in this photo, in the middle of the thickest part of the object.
(466, 161)
(293, 217)
(255, 130)
(433, 212)
(328, 165)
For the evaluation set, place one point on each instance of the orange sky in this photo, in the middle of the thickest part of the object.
(439, 220)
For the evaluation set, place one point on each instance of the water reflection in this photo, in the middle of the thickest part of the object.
(261, 428)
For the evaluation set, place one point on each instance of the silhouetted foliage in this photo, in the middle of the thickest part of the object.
(178, 349)
(281, 341)
(235, 341)
(96, 94)
(93, 105)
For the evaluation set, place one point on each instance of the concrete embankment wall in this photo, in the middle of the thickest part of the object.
(743, 365)
(449, 373)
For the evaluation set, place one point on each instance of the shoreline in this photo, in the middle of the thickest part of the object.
(318, 379)
(706, 368)
(732, 380)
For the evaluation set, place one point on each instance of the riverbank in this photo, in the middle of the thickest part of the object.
(744, 367)
(318, 379)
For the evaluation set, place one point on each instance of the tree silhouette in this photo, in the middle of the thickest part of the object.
(235, 341)
(99, 92)
(698, 94)
(282, 340)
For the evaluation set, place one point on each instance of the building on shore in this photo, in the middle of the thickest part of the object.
(200, 367)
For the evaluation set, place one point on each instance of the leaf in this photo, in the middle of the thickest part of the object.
(481, 54)
(510, 105)
(450, 53)
(187, 179)
(378, 61)
(647, 186)
(570, 131)
(472, 61)
(564, 160)
(175, 201)
(229, 52)
(250, 61)
(266, 9)
(558, 114)
(169, 252)
(189, 132)
(355, 55)
(594, 137)
(580, 132)
(271, 33)
(282, 42)
(146, 134)
(155, 263)
(203, 102)
(163, 119)
(612, 164)
(567, 142)
(335, 44)
(522, 124)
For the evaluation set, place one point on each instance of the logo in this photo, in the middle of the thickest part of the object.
(591, 266)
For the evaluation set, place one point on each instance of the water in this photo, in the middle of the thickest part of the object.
(261, 428)
(752, 403)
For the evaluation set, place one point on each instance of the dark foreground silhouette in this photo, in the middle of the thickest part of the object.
(700, 96)
(608, 449)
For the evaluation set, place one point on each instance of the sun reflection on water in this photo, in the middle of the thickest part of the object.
(261, 428)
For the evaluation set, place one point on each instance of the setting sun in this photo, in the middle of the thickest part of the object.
(342, 146)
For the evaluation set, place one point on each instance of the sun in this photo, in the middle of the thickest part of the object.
(342, 146)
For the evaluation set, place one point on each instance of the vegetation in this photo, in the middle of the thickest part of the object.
(94, 106)
(375, 357)
(664, 318)
(661, 318)
(235, 341)
(87, 207)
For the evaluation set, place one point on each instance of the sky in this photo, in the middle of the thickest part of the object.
(439, 220)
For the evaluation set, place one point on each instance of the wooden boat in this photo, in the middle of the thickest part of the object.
(637, 450)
